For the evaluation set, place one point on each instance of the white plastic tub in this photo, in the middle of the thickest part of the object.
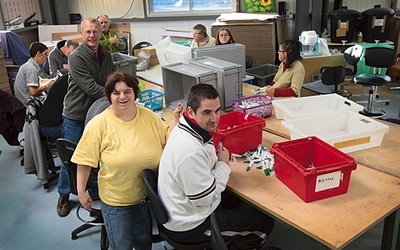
(292, 108)
(347, 130)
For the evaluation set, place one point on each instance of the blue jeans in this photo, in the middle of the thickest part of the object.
(126, 227)
(72, 131)
(53, 132)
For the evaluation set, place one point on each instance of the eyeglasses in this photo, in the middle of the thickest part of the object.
(89, 32)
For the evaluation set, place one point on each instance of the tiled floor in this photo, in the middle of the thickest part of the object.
(28, 218)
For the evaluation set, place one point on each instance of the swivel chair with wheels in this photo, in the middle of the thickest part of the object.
(329, 83)
(65, 150)
(378, 58)
(157, 212)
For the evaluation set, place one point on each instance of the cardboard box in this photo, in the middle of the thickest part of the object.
(150, 50)
(312, 168)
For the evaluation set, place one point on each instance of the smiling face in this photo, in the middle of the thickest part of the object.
(91, 33)
(207, 115)
(122, 97)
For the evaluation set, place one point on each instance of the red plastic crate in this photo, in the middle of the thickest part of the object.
(239, 132)
(312, 168)
(261, 105)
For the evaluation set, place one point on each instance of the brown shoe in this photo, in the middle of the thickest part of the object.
(63, 207)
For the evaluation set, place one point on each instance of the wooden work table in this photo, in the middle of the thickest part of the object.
(334, 221)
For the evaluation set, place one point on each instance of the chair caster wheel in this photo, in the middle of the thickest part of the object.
(46, 186)
(74, 237)
(387, 103)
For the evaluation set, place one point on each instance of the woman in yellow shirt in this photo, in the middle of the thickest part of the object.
(125, 139)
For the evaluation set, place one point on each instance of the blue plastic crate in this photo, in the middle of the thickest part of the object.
(152, 99)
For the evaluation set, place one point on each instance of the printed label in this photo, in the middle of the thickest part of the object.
(353, 142)
(328, 181)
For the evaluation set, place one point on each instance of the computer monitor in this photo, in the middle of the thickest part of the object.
(235, 53)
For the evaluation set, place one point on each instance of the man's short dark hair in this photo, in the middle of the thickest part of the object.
(36, 47)
(200, 92)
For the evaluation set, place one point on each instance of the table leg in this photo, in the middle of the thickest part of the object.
(391, 232)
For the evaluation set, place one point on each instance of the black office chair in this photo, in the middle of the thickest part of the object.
(249, 61)
(217, 241)
(156, 211)
(378, 58)
(331, 77)
(65, 150)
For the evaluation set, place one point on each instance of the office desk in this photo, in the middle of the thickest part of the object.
(335, 221)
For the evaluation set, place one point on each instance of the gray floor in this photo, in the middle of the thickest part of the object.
(28, 218)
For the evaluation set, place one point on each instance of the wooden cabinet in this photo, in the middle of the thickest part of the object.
(259, 38)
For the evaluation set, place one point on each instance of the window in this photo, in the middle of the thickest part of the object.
(188, 7)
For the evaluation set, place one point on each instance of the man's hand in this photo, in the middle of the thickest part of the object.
(223, 153)
(114, 40)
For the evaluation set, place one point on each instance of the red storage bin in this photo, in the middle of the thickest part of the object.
(312, 168)
(239, 132)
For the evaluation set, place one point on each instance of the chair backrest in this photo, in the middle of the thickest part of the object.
(249, 61)
(217, 241)
(379, 57)
(333, 75)
(51, 112)
(159, 212)
(96, 108)
(65, 150)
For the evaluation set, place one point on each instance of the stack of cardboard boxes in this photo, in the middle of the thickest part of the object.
(150, 50)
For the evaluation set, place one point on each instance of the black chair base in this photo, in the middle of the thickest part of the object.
(98, 221)
(374, 113)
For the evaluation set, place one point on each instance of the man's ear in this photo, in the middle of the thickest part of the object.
(190, 112)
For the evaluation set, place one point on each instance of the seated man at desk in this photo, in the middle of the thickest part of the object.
(193, 177)
(200, 37)
(290, 76)
(58, 57)
(27, 82)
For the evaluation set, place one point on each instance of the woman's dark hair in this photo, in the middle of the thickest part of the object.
(231, 39)
(293, 49)
(116, 77)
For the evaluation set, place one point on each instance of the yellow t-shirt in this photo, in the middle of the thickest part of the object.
(123, 149)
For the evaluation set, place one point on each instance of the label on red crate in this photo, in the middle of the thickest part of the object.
(352, 142)
(328, 181)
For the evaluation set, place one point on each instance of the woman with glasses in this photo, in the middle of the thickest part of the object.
(224, 36)
(290, 76)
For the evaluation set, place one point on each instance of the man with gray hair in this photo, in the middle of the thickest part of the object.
(200, 37)
(58, 57)
(88, 69)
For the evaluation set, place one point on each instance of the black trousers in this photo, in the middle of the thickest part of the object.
(242, 227)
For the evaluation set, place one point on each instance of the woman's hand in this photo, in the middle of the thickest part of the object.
(85, 200)
(269, 90)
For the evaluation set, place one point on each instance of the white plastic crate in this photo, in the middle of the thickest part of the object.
(292, 108)
(346, 130)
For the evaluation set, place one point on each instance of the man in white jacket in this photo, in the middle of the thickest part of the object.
(192, 177)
